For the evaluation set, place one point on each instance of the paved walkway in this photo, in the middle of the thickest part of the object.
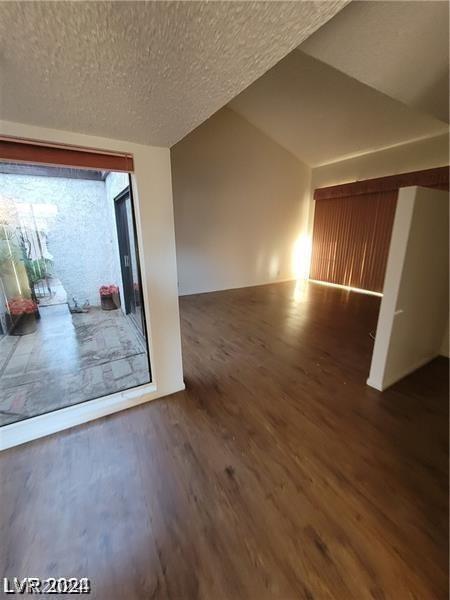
(69, 359)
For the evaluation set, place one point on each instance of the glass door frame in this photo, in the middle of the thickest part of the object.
(127, 193)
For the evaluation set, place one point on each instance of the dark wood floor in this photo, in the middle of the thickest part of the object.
(278, 474)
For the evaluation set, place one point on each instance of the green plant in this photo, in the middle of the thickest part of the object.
(9, 254)
(37, 269)
(10, 250)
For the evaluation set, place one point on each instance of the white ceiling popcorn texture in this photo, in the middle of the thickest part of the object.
(147, 72)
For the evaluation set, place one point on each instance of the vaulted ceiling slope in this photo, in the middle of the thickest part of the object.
(147, 72)
(322, 115)
(399, 48)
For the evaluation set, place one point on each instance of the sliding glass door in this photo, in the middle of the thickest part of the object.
(72, 324)
(129, 259)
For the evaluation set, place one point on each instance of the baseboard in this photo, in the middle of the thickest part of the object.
(346, 288)
(58, 420)
(374, 384)
(238, 287)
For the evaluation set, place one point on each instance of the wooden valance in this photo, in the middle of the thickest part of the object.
(35, 152)
(437, 178)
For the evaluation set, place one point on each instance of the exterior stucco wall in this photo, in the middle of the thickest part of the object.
(81, 236)
(115, 183)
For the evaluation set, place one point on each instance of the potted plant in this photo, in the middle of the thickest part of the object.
(23, 313)
(109, 297)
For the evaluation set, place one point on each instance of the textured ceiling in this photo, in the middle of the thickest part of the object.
(322, 115)
(147, 72)
(399, 48)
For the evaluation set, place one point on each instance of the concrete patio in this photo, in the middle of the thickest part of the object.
(70, 358)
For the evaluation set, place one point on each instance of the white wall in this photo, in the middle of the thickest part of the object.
(414, 308)
(241, 204)
(415, 156)
(152, 192)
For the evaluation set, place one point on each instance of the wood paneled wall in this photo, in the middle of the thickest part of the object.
(437, 178)
(351, 239)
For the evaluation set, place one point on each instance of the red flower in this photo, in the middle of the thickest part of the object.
(19, 306)
(108, 290)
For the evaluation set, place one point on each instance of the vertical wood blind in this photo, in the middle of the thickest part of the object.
(353, 225)
(351, 239)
